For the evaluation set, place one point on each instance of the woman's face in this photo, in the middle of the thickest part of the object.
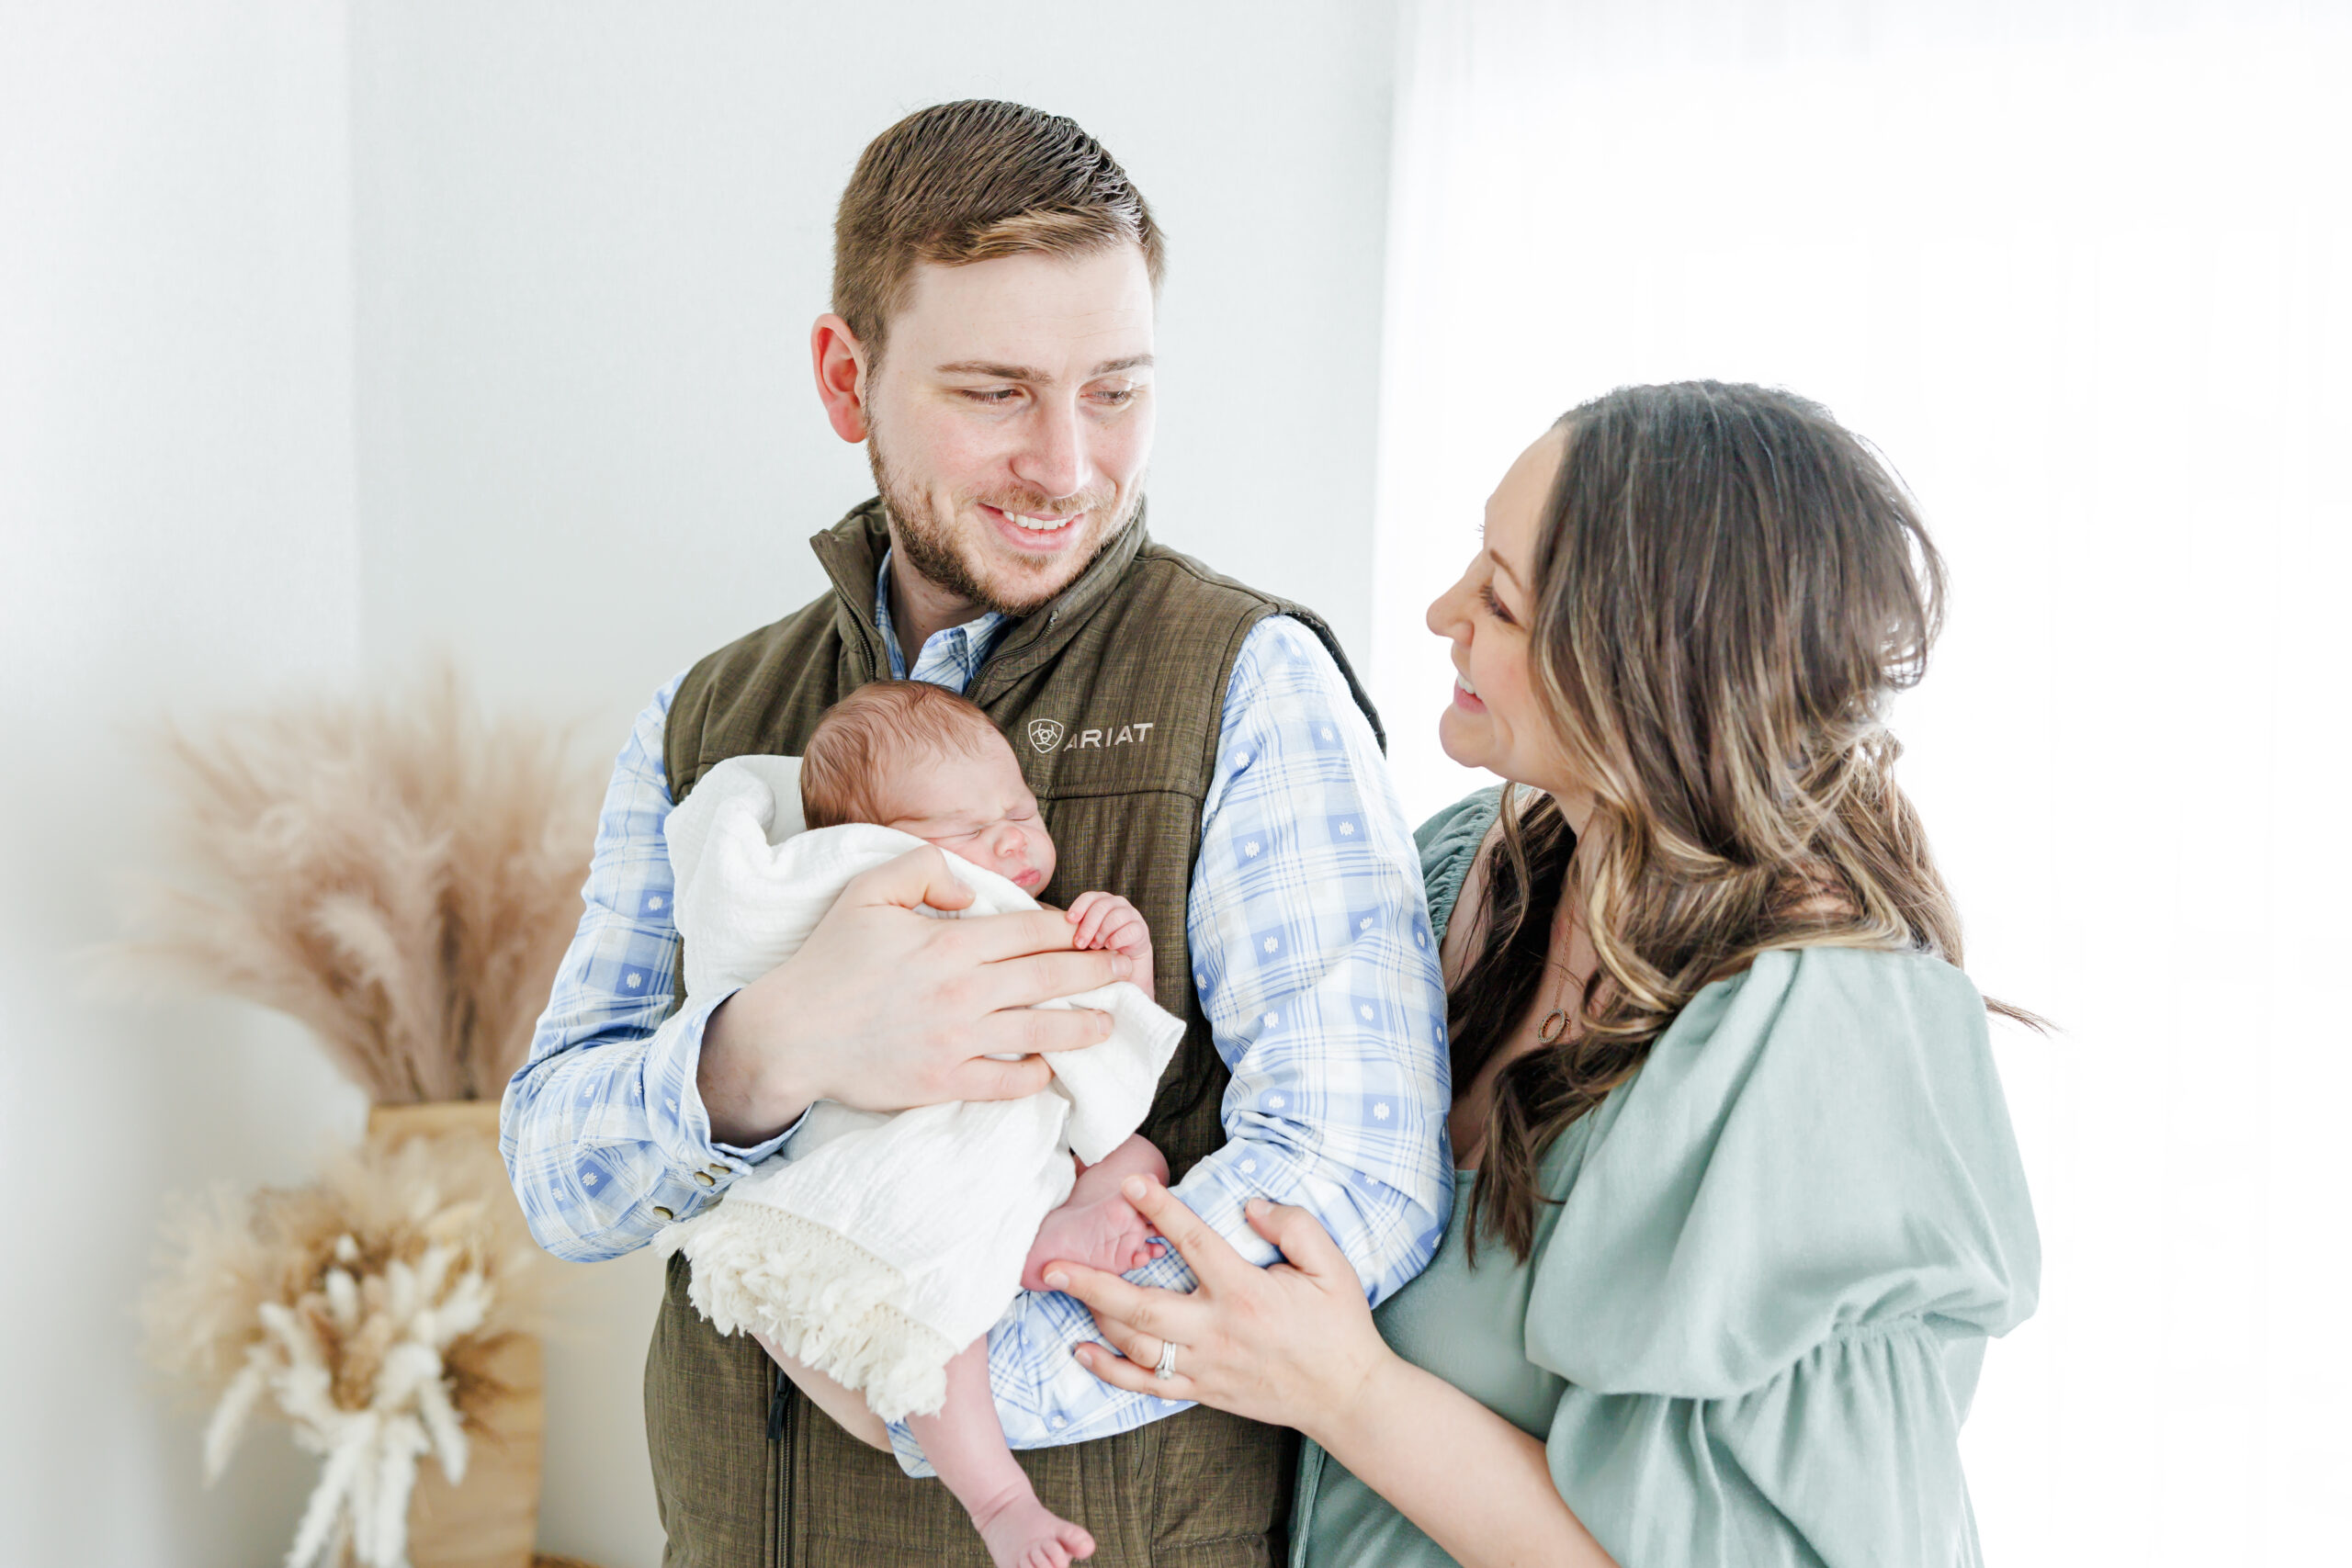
(1497, 720)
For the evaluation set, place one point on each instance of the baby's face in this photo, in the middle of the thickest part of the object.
(976, 807)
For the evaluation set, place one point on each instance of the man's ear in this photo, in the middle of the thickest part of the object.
(840, 361)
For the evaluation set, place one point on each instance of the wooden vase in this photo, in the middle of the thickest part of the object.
(490, 1519)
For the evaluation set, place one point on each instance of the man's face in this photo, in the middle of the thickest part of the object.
(1010, 422)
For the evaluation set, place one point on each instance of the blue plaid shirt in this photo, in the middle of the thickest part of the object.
(1311, 952)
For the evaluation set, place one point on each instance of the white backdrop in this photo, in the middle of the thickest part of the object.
(2087, 281)
(590, 240)
(176, 533)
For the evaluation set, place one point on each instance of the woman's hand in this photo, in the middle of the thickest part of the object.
(1293, 1345)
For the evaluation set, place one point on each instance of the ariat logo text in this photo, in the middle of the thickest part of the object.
(1047, 734)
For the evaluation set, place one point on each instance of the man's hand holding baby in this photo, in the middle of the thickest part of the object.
(882, 1009)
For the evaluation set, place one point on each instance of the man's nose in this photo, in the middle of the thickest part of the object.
(1053, 460)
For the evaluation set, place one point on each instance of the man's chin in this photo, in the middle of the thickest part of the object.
(1019, 582)
(1024, 593)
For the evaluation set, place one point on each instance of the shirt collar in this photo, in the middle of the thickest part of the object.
(952, 657)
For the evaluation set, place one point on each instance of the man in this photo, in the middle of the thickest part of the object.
(1197, 747)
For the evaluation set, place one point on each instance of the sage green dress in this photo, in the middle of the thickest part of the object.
(1751, 1326)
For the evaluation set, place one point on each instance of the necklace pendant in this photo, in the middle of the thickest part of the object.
(1554, 1024)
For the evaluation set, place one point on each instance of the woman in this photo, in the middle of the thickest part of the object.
(1738, 1202)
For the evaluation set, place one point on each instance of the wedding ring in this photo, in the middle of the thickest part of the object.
(1167, 1368)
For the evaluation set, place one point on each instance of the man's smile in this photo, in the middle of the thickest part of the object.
(1032, 532)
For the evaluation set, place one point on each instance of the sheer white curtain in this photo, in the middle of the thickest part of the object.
(2085, 275)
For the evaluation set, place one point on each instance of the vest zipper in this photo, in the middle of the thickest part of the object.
(779, 1411)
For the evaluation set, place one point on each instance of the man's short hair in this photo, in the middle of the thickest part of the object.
(969, 182)
(849, 765)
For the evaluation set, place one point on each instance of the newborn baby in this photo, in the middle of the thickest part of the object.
(909, 755)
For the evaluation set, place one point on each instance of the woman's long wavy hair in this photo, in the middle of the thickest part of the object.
(1730, 586)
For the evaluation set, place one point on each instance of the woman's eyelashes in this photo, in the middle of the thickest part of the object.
(1494, 605)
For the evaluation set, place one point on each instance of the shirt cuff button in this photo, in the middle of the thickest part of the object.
(665, 1214)
(704, 1179)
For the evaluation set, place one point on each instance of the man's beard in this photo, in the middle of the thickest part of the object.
(928, 540)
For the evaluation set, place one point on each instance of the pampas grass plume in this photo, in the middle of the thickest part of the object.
(397, 872)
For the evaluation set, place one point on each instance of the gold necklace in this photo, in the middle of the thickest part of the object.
(1556, 1022)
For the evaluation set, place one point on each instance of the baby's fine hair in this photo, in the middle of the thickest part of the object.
(845, 770)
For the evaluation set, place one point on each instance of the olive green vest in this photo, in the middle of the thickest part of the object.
(1113, 696)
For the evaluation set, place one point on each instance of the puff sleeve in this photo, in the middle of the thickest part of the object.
(1770, 1285)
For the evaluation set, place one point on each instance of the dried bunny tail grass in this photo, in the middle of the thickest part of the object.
(366, 1308)
(400, 874)
(335, 1255)
(214, 1270)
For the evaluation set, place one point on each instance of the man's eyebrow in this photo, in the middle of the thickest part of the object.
(1000, 372)
(992, 370)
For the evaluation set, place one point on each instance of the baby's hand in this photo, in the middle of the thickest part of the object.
(1105, 920)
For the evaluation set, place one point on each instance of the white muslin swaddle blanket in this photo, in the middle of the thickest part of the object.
(876, 1247)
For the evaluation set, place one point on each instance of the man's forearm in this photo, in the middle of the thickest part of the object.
(603, 1141)
(1047, 1398)
(602, 1129)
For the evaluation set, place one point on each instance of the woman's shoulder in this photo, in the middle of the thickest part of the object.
(1815, 1145)
(1449, 844)
(1886, 1023)
(1809, 1003)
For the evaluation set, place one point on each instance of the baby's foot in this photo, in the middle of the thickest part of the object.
(1107, 1234)
(1024, 1533)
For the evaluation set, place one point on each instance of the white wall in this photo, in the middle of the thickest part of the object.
(592, 238)
(177, 534)
(332, 334)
